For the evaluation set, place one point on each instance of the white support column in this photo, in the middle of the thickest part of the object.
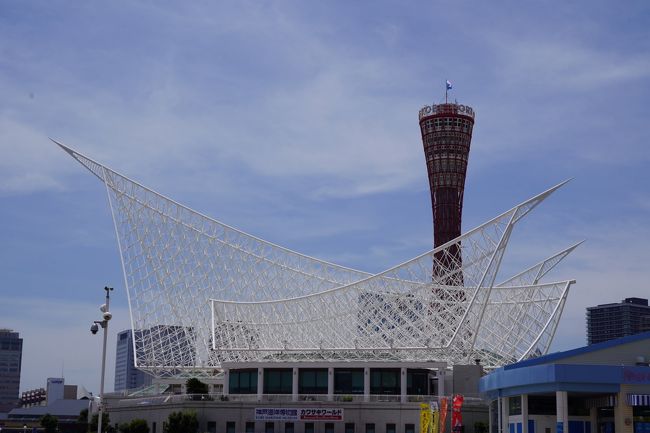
(593, 418)
(524, 412)
(441, 383)
(490, 414)
(505, 415)
(366, 384)
(562, 411)
(623, 412)
(260, 384)
(294, 384)
(330, 383)
(499, 416)
(403, 383)
(226, 382)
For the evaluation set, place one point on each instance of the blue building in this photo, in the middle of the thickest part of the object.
(127, 376)
(601, 388)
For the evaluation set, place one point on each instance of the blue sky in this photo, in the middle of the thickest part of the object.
(297, 122)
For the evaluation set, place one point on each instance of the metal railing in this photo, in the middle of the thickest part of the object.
(217, 398)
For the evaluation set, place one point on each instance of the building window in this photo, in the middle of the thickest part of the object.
(212, 427)
(541, 405)
(385, 381)
(250, 427)
(348, 381)
(349, 427)
(278, 380)
(409, 428)
(514, 405)
(269, 427)
(288, 427)
(390, 428)
(329, 427)
(417, 382)
(230, 427)
(312, 381)
(153, 427)
(370, 428)
(309, 427)
(243, 381)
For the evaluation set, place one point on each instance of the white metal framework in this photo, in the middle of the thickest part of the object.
(202, 293)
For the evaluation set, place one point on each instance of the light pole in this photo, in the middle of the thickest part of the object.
(106, 316)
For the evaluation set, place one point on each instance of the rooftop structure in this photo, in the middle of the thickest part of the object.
(609, 321)
(234, 297)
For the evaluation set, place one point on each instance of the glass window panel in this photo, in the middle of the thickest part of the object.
(321, 379)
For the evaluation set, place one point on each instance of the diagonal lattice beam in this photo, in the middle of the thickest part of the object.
(202, 292)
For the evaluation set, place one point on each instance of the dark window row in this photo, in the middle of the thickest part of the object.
(308, 427)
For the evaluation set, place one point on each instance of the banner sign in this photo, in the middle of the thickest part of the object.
(444, 405)
(425, 418)
(456, 416)
(435, 417)
(295, 414)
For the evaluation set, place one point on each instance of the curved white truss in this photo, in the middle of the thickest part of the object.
(202, 293)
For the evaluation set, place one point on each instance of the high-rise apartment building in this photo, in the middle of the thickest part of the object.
(610, 321)
(11, 354)
(127, 376)
(446, 135)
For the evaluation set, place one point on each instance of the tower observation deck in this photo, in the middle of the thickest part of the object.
(446, 135)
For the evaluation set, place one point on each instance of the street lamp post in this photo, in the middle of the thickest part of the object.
(106, 316)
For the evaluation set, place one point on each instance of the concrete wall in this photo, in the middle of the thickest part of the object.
(379, 413)
(622, 354)
(466, 379)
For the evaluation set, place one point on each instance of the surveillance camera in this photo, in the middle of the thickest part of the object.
(94, 328)
(107, 315)
(102, 308)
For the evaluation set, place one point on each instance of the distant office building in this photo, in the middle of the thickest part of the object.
(11, 353)
(126, 375)
(55, 389)
(609, 321)
(33, 397)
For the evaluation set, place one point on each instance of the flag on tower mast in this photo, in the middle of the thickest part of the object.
(447, 89)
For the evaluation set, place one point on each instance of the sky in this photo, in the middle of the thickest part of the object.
(297, 121)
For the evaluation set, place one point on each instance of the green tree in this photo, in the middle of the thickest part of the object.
(181, 422)
(49, 423)
(106, 421)
(135, 426)
(83, 416)
(195, 386)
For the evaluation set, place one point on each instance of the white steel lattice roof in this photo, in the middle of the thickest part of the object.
(202, 293)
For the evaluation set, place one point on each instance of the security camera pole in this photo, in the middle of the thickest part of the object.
(106, 316)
